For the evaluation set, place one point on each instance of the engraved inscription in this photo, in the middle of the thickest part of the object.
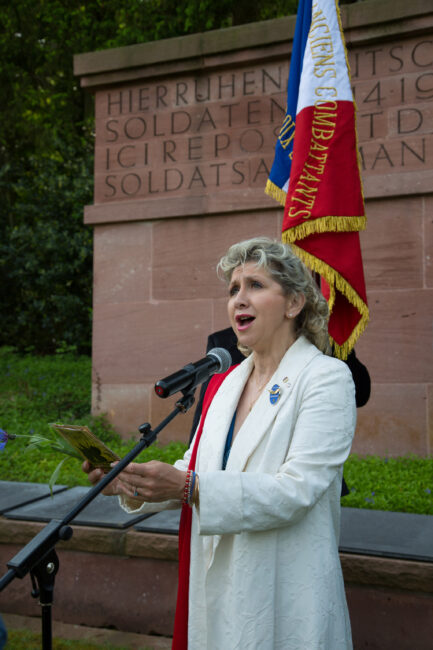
(217, 132)
(393, 90)
(189, 136)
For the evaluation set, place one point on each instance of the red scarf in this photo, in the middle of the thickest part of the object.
(180, 637)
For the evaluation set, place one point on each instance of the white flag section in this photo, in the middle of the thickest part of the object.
(325, 73)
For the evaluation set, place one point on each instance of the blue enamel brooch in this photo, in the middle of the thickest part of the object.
(274, 394)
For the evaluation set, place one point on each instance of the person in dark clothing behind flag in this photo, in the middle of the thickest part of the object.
(226, 338)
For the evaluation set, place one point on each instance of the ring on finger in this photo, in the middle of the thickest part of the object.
(135, 492)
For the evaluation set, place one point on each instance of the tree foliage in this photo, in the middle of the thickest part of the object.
(46, 148)
(46, 254)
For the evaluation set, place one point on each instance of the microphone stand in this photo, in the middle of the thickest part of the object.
(39, 556)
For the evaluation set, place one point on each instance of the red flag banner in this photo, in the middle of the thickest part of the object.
(324, 209)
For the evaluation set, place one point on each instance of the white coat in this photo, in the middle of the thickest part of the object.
(265, 572)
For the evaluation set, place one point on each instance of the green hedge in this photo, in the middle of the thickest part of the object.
(402, 484)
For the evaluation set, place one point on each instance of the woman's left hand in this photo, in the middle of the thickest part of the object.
(152, 481)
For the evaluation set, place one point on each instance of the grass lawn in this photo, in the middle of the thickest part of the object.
(26, 640)
(37, 390)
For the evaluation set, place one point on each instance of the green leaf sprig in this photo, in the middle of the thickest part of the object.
(46, 445)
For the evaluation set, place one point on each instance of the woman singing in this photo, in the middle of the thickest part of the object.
(261, 482)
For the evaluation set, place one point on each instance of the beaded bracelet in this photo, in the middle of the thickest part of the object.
(190, 490)
(187, 488)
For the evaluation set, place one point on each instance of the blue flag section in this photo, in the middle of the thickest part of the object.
(278, 181)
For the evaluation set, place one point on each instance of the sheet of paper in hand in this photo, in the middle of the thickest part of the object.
(87, 444)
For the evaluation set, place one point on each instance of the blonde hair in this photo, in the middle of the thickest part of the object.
(292, 275)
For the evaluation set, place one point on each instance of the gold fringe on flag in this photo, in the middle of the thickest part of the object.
(324, 224)
(335, 280)
(275, 192)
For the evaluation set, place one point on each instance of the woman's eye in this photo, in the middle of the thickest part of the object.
(256, 284)
(233, 290)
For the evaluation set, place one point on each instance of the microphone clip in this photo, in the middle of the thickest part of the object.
(185, 402)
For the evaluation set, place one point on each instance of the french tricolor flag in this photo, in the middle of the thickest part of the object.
(316, 172)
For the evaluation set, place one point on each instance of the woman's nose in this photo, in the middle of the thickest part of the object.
(241, 298)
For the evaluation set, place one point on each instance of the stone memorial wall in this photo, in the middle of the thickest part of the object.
(185, 131)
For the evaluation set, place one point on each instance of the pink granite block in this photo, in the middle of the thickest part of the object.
(388, 619)
(428, 241)
(142, 342)
(127, 405)
(220, 316)
(396, 346)
(388, 185)
(125, 593)
(394, 420)
(392, 249)
(408, 206)
(115, 210)
(186, 252)
(122, 263)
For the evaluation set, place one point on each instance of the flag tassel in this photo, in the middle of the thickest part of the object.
(336, 282)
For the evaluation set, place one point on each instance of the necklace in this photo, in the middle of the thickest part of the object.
(259, 392)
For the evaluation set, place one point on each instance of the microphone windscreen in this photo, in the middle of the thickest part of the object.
(223, 358)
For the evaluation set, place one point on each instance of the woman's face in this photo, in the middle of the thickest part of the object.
(259, 310)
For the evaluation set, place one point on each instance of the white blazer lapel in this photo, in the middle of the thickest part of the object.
(264, 412)
(219, 417)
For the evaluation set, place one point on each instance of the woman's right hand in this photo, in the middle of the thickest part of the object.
(151, 481)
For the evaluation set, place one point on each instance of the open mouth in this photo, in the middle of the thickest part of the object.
(244, 320)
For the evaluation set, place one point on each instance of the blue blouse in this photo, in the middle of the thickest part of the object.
(229, 441)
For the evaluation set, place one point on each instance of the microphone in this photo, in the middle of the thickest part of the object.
(216, 360)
